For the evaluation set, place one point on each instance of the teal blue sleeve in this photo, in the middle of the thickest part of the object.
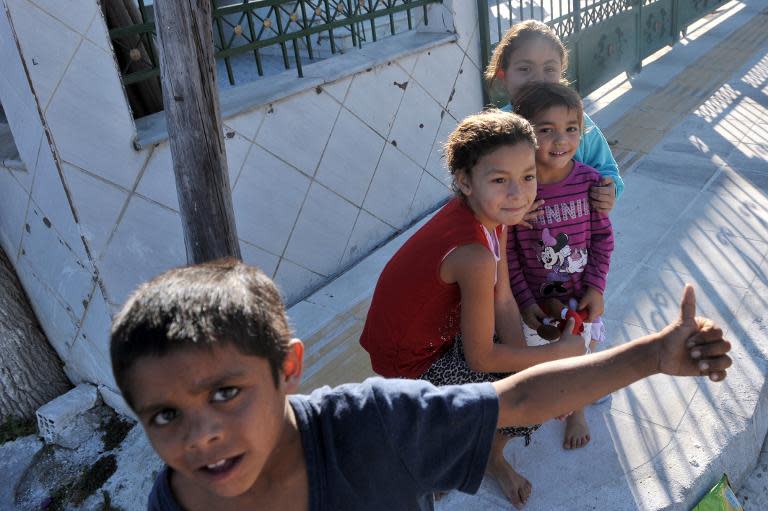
(595, 152)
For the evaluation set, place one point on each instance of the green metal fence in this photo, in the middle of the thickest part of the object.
(604, 37)
(288, 29)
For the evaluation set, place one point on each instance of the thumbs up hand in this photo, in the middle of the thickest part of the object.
(692, 345)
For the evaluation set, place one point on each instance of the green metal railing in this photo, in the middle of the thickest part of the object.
(604, 37)
(283, 27)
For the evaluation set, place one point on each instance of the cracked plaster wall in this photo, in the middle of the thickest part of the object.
(318, 179)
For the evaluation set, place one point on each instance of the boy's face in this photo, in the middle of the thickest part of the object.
(502, 185)
(214, 416)
(558, 130)
(536, 60)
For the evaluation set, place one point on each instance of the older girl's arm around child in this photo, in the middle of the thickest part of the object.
(442, 310)
(532, 51)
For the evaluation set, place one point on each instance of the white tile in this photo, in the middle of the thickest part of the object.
(350, 158)
(237, 148)
(660, 399)
(247, 124)
(47, 46)
(97, 33)
(429, 195)
(472, 50)
(97, 323)
(338, 89)
(87, 364)
(262, 259)
(13, 212)
(19, 103)
(54, 263)
(148, 241)
(651, 300)
(58, 322)
(712, 256)
(436, 70)
(464, 20)
(267, 199)
(393, 187)
(50, 197)
(436, 163)
(368, 233)
(77, 14)
(408, 64)
(89, 355)
(297, 129)
(750, 157)
(468, 98)
(375, 95)
(158, 182)
(416, 124)
(90, 106)
(733, 195)
(742, 391)
(26, 177)
(295, 282)
(98, 205)
(322, 230)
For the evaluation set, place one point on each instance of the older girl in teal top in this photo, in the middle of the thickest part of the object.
(532, 51)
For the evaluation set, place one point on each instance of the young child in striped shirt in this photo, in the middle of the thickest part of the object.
(567, 252)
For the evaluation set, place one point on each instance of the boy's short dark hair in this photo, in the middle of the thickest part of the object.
(196, 307)
(480, 134)
(539, 96)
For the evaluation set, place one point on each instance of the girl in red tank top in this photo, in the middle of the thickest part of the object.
(443, 309)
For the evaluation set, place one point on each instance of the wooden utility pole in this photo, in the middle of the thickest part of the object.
(191, 102)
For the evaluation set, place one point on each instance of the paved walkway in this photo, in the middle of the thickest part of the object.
(691, 135)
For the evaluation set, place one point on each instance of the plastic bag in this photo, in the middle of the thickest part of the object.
(719, 498)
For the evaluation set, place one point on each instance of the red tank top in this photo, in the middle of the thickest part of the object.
(414, 315)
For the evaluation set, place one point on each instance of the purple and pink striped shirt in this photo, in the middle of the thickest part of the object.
(569, 246)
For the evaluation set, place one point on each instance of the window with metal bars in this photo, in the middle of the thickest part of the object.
(256, 38)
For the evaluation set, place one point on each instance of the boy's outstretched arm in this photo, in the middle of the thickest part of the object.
(690, 346)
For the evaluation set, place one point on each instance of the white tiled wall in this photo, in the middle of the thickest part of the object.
(18, 100)
(297, 130)
(267, 200)
(90, 121)
(350, 158)
(319, 178)
(416, 124)
(13, 212)
(98, 205)
(147, 241)
(393, 187)
(322, 231)
(374, 96)
(47, 44)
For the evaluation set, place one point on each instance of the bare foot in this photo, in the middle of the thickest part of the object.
(514, 486)
(576, 431)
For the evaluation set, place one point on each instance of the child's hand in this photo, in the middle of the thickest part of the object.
(532, 214)
(603, 197)
(592, 301)
(693, 345)
(570, 344)
(533, 315)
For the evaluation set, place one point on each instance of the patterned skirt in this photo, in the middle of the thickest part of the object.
(452, 369)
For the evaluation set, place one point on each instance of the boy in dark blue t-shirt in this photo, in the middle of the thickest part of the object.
(205, 358)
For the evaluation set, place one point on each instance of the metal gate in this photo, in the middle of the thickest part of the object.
(604, 37)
